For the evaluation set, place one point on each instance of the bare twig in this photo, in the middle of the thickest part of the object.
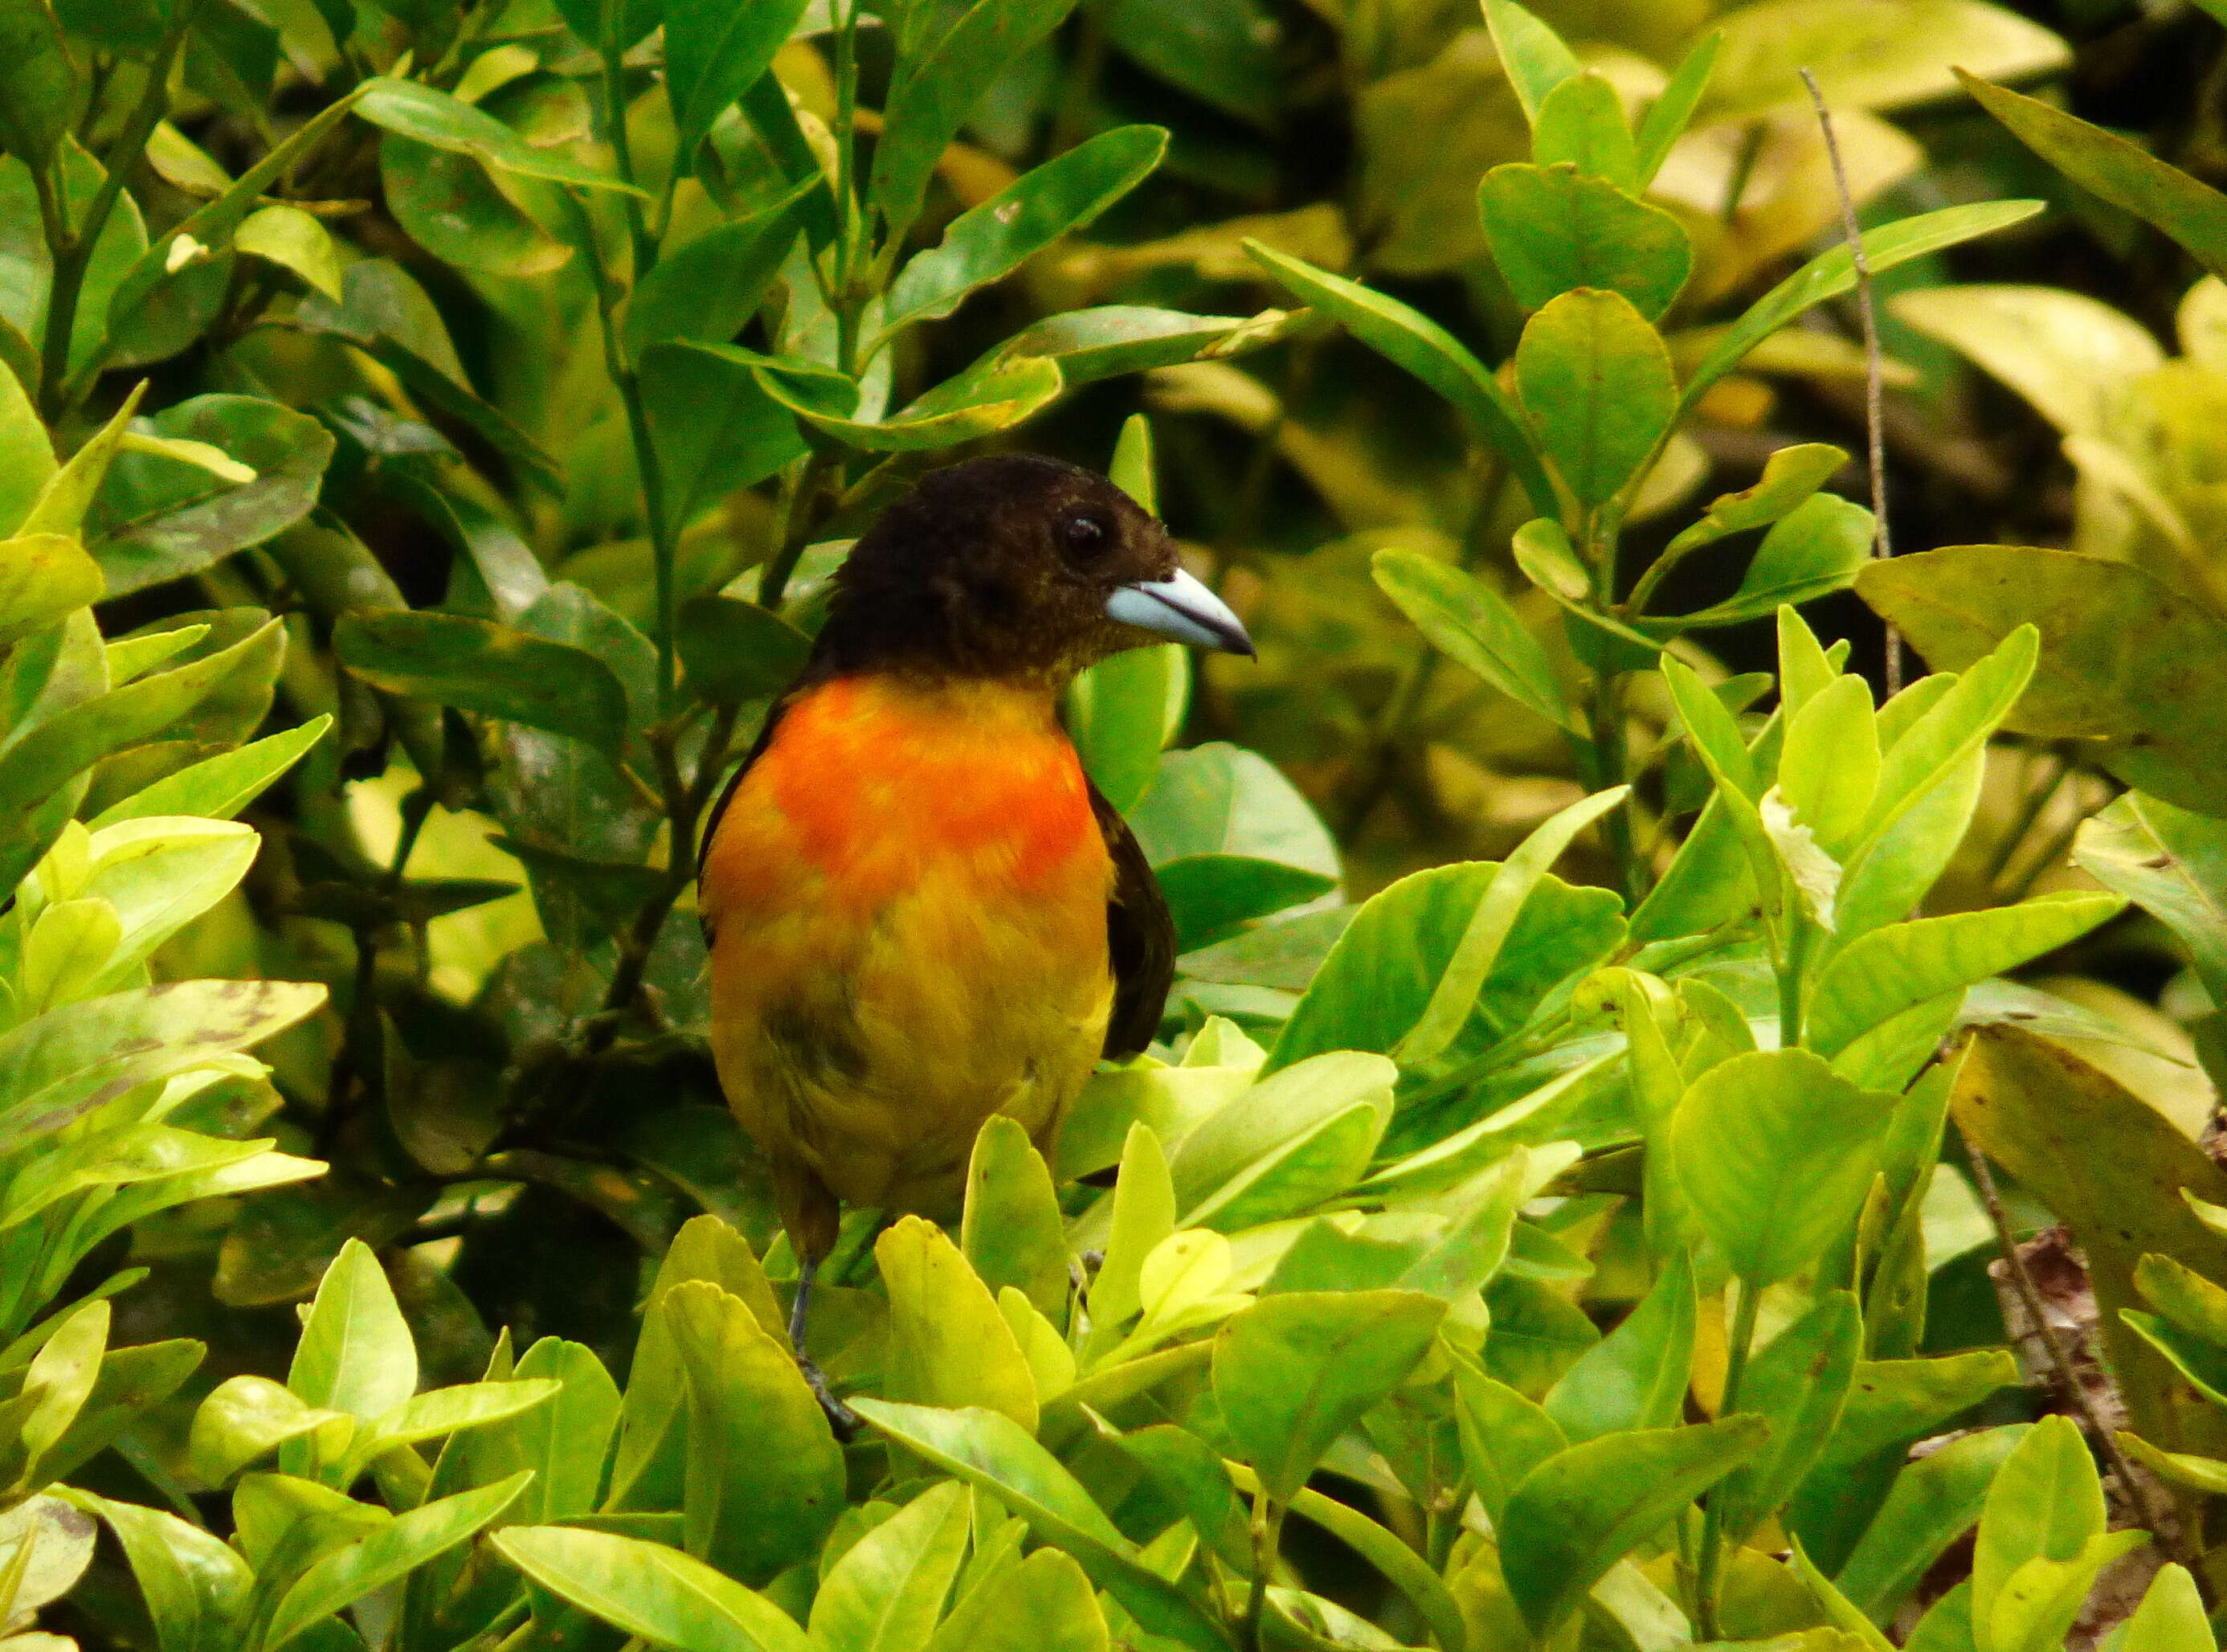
(2070, 1390)
(1874, 369)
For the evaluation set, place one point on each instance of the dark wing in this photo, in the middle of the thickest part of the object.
(1140, 939)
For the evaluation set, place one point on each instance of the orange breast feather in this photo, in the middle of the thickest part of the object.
(871, 787)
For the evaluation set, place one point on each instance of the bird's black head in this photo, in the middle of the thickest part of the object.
(1014, 566)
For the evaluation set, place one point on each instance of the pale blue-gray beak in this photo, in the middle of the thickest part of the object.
(1181, 608)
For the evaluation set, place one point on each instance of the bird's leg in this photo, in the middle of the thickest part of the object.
(840, 1417)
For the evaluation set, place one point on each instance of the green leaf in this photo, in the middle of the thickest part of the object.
(1923, 754)
(1465, 618)
(1581, 124)
(618, 25)
(947, 57)
(2171, 863)
(648, 1589)
(948, 1345)
(2170, 1618)
(1220, 51)
(1122, 712)
(218, 788)
(40, 99)
(1879, 975)
(448, 203)
(2120, 172)
(1013, 1233)
(1280, 1110)
(1144, 1215)
(1043, 1605)
(1197, 1478)
(1112, 340)
(432, 117)
(1790, 475)
(242, 1418)
(959, 409)
(1498, 911)
(196, 1585)
(1798, 1384)
(735, 651)
(1552, 229)
(27, 458)
(650, 1472)
(43, 577)
(390, 1553)
(442, 1413)
(1870, 55)
(887, 1591)
(1636, 1376)
(1381, 973)
(1819, 547)
(994, 1454)
(1673, 108)
(566, 1441)
(1774, 1153)
(1504, 1436)
(717, 428)
(389, 317)
(295, 241)
(1935, 1501)
(356, 1353)
(1295, 1371)
(58, 1066)
(58, 1381)
(713, 52)
(61, 505)
(2046, 1504)
(1829, 765)
(495, 670)
(1957, 602)
(765, 1475)
(1531, 54)
(1596, 380)
(991, 240)
(1582, 1510)
(1834, 272)
(709, 286)
(1229, 838)
(162, 519)
(1409, 339)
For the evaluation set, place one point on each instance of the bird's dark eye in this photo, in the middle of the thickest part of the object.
(1082, 536)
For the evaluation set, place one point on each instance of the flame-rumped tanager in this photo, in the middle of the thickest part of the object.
(921, 912)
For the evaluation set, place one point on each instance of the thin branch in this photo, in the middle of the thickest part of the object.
(1874, 366)
(2071, 1391)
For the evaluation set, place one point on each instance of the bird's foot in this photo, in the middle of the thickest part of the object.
(845, 1421)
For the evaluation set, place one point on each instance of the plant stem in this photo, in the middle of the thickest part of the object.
(1610, 763)
(628, 385)
(645, 249)
(685, 803)
(72, 253)
(804, 514)
(1707, 1574)
(1268, 1527)
(1874, 364)
(1791, 971)
(2072, 1392)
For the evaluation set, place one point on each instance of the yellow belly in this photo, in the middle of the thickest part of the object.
(908, 893)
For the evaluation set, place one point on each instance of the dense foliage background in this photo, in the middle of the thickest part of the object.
(426, 429)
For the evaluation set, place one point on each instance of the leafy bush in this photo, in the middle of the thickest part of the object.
(461, 409)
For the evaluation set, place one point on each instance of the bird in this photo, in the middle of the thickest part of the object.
(920, 911)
